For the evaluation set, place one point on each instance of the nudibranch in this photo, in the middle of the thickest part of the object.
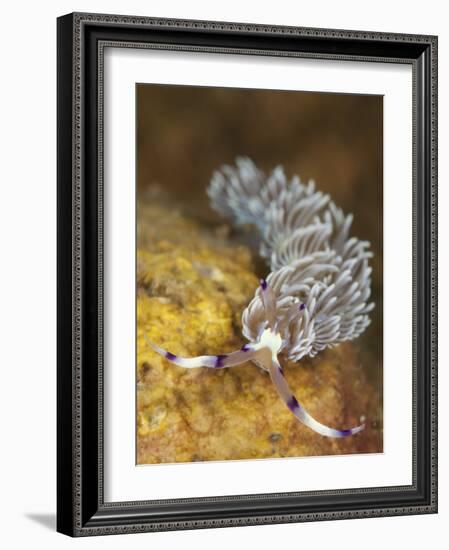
(316, 295)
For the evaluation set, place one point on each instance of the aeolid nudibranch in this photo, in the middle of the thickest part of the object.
(316, 295)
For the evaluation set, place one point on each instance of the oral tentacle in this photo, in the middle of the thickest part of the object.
(232, 359)
(281, 385)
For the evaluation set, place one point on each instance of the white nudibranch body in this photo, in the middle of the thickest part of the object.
(316, 295)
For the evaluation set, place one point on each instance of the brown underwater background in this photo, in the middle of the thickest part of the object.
(195, 273)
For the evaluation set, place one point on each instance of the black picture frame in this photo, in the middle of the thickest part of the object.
(81, 509)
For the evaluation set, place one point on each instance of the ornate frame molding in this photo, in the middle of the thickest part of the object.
(81, 42)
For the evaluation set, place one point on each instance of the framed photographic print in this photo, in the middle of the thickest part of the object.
(246, 274)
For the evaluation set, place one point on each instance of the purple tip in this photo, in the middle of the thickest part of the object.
(170, 356)
(302, 306)
(263, 284)
(344, 433)
(246, 348)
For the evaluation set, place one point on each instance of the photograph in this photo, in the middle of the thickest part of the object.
(259, 274)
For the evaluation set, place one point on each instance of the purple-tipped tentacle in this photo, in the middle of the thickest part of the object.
(212, 361)
(269, 302)
(296, 408)
(261, 356)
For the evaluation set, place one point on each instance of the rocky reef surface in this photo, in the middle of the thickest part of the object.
(193, 283)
